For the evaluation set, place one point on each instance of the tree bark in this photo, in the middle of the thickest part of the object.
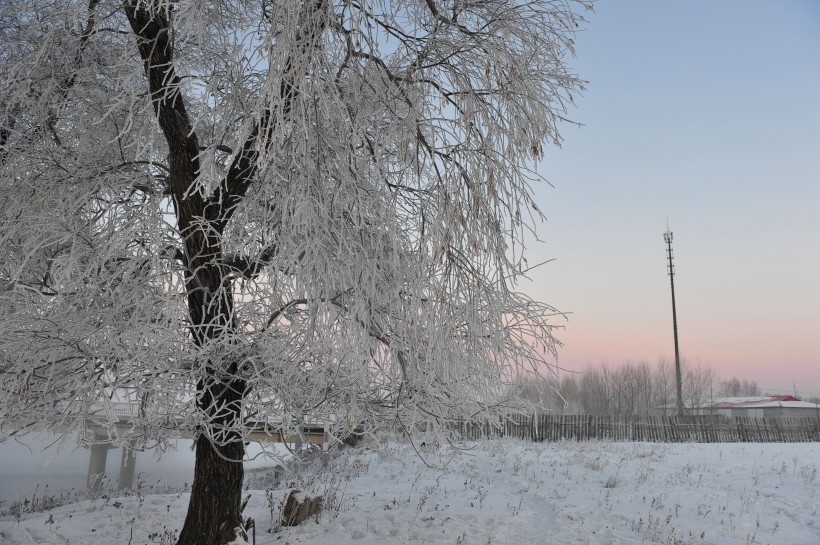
(214, 515)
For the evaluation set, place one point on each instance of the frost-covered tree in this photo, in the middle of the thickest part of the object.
(736, 388)
(256, 211)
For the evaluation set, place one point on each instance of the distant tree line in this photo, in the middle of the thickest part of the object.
(631, 388)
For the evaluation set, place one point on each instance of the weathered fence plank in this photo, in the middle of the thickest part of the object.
(672, 429)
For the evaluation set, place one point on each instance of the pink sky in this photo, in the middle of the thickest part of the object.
(681, 122)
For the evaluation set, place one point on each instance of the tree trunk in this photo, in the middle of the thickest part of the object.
(214, 511)
(214, 516)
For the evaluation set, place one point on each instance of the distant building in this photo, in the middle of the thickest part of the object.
(758, 407)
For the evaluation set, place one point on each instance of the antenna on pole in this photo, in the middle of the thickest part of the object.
(667, 237)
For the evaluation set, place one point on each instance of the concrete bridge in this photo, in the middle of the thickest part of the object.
(126, 413)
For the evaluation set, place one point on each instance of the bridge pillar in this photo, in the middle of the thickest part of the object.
(300, 437)
(127, 466)
(96, 465)
(326, 445)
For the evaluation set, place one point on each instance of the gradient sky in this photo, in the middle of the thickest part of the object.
(707, 113)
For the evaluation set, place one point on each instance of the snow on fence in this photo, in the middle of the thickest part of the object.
(671, 429)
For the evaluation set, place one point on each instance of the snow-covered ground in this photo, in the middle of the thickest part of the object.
(498, 492)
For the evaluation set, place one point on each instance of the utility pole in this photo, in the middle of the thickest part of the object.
(667, 236)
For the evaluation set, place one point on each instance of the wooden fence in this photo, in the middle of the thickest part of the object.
(670, 429)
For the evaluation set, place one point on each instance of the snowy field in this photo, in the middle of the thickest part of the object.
(495, 492)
